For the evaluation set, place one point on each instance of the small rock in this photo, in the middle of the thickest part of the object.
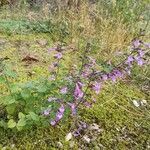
(136, 104)
(143, 102)
(68, 136)
(86, 139)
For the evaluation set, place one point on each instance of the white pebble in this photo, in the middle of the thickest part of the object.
(68, 136)
(136, 104)
(86, 139)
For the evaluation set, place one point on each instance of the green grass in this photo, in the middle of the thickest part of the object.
(123, 125)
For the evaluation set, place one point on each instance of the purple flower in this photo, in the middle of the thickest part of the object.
(129, 60)
(104, 77)
(141, 53)
(115, 74)
(83, 125)
(58, 56)
(112, 77)
(52, 49)
(147, 45)
(78, 91)
(86, 72)
(136, 43)
(96, 87)
(53, 122)
(73, 108)
(88, 105)
(76, 133)
(62, 108)
(64, 90)
(60, 113)
(139, 60)
(46, 112)
(118, 73)
(80, 84)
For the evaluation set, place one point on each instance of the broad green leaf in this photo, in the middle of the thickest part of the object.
(14, 88)
(25, 94)
(3, 124)
(34, 116)
(28, 117)
(8, 100)
(21, 122)
(41, 89)
(21, 115)
(107, 69)
(11, 109)
(19, 128)
(28, 85)
(11, 123)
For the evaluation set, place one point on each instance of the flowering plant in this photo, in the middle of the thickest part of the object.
(24, 105)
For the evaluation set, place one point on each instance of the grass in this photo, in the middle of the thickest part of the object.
(122, 125)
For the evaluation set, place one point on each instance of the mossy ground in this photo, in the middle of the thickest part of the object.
(123, 126)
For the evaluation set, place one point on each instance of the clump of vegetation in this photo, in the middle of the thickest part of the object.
(75, 86)
(65, 90)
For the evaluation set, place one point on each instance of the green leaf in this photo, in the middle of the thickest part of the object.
(41, 89)
(21, 122)
(8, 100)
(3, 124)
(107, 69)
(34, 116)
(11, 109)
(25, 94)
(28, 85)
(19, 128)
(2, 79)
(14, 88)
(21, 115)
(11, 123)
